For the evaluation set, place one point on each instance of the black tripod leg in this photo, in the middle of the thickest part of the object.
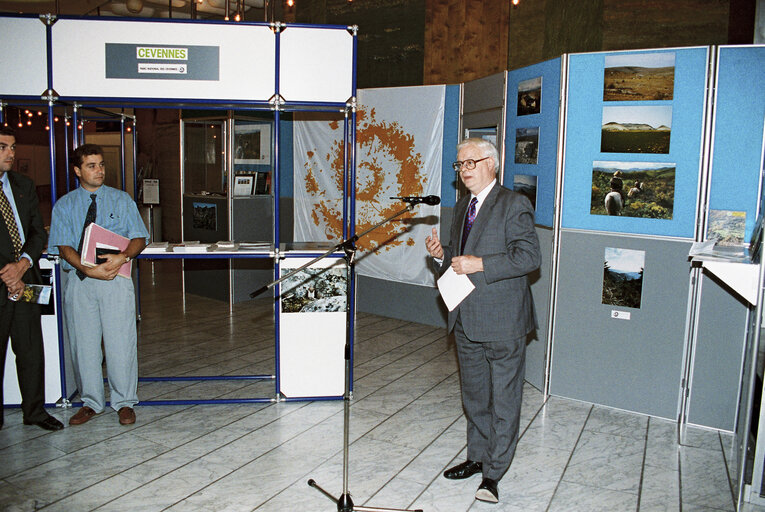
(344, 502)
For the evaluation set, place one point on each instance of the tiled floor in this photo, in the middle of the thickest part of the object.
(406, 428)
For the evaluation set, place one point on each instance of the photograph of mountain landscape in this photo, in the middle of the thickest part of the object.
(527, 185)
(647, 188)
(315, 290)
(726, 227)
(530, 96)
(623, 277)
(639, 77)
(526, 145)
(636, 129)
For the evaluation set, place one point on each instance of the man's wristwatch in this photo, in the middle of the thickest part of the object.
(127, 259)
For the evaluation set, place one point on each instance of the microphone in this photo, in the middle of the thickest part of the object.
(431, 200)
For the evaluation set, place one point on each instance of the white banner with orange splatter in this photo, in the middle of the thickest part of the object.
(399, 137)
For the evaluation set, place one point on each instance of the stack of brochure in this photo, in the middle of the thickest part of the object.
(226, 245)
(190, 247)
(155, 247)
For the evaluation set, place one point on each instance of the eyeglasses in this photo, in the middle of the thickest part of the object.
(469, 164)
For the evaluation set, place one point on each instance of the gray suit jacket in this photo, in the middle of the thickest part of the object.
(503, 234)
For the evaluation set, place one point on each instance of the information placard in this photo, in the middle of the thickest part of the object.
(163, 59)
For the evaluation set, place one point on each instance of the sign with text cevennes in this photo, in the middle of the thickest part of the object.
(145, 61)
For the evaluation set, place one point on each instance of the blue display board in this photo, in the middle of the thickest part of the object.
(738, 132)
(531, 136)
(623, 109)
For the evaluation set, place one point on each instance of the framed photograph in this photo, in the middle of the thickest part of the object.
(633, 189)
(204, 216)
(252, 143)
(243, 186)
(623, 277)
(529, 96)
(488, 133)
(639, 129)
(639, 77)
(527, 185)
(526, 145)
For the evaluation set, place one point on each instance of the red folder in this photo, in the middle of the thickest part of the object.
(96, 241)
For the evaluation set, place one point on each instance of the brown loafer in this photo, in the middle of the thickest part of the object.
(127, 415)
(82, 416)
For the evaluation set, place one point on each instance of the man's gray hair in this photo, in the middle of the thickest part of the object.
(486, 147)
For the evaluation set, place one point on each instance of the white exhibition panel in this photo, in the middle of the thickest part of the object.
(11, 392)
(212, 61)
(316, 65)
(24, 61)
(312, 344)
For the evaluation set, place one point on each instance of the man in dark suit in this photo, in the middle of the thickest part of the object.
(20, 248)
(494, 243)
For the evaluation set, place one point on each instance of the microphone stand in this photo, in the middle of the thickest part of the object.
(344, 501)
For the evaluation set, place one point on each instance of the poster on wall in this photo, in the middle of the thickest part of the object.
(527, 145)
(636, 129)
(398, 154)
(204, 216)
(726, 227)
(529, 96)
(639, 76)
(633, 189)
(527, 185)
(623, 277)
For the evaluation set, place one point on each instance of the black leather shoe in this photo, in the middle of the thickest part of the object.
(487, 491)
(464, 470)
(49, 423)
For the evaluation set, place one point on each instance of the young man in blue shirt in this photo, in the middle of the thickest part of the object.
(98, 303)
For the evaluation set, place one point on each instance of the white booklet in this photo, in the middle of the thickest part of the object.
(454, 288)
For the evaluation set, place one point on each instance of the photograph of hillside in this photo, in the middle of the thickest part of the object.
(623, 277)
(526, 145)
(726, 227)
(639, 77)
(636, 129)
(530, 96)
(647, 188)
(315, 290)
(527, 185)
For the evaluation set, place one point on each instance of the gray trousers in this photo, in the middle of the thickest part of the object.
(491, 374)
(96, 309)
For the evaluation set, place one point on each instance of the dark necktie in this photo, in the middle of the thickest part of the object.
(10, 222)
(468, 222)
(90, 217)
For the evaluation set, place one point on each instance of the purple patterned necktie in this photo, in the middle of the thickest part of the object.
(468, 222)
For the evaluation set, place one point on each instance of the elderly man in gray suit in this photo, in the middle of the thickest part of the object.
(493, 242)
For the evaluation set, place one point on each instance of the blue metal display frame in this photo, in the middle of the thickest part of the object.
(276, 104)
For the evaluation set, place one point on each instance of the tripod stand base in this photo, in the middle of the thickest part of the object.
(345, 503)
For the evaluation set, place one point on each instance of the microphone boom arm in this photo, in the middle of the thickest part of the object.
(347, 246)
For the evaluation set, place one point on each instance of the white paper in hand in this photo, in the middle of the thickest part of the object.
(454, 288)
